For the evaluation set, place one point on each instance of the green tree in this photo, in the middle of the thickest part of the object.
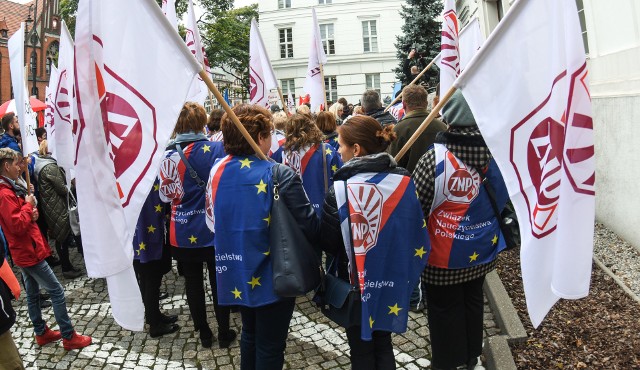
(421, 30)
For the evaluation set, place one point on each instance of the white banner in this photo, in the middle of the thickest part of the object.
(529, 92)
(314, 84)
(449, 47)
(49, 115)
(26, 117)
(169, 10)
(133, 74)
(261, 74)
(199, 91)
(64, 105)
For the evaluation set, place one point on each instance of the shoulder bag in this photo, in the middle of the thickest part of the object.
(194, 175)
(508, 220)
(74, 216)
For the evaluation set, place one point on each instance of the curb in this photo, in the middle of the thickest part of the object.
(496, 349)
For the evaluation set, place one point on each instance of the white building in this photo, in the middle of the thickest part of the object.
(358, 36)
(611, 31)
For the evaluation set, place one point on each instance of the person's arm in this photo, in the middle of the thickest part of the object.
(53, 174)
(330, 231)
(17, 218)
(424, 178)
(297, 202)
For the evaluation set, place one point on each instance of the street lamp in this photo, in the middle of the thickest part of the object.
(34, 55)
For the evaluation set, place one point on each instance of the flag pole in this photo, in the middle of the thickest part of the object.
(423, 126)
(412, 82)
(284, 103)
(324, 88)
(212, 87)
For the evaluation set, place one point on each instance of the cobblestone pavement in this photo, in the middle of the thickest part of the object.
(314, 342)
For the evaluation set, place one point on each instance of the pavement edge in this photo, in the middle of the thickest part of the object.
(497, 352)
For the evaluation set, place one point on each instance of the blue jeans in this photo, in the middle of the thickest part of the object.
(264, 335)
(41, 275)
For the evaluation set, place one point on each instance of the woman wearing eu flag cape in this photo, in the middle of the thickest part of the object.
(239, 198)
(370, 207)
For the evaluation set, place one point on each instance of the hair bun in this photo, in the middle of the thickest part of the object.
(387, 135)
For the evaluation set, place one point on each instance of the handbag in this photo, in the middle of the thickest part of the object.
(74, 216)
(296, 266)
(508, 220)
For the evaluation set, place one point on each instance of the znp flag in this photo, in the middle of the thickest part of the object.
(528, 88)
(449, 48)
(64, 110)
(169, 10)
(128, 57)
(314, 84)
(199, 90)
(26, 117)
(260, 70)
(49, 118)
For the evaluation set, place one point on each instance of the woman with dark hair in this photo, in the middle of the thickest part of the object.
(183, 173)
(312, 160)
(213, 125)
(372, 206)
(326, 122)
(239, 198)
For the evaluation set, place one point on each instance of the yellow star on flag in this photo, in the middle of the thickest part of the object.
(142, 246)
(424, 223)
(420, 252)
(371, 321)
(335, 139)
(268, 219)
(245, 163)
(254, 281)
(236, 293)
(151, 229)
(262, 187)
(138, 251)
(494, 240)
(193, 239)
(473, 257)
(158, 208)
(327, 151)
(267, 252)
(394, 309)
(156, 187)
(206, 148)
(334, 168)
(417, 196)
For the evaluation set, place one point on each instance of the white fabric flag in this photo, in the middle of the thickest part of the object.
(261, 74)
(128, 57)
(291, 105)
(169, 10)
(529, 92)
(470, 41)
(26, 117)
(449, 47)
(64, 105)
(199, 90)
(49, 115)
(314, 84)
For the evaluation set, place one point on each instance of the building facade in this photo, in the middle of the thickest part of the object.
(42, 43)
(358, 37)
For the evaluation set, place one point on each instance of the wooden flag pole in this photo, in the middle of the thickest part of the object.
(423, 126)
(284, 103)
(324, 88)
(231, 114)
(412, 82)
(26, 172)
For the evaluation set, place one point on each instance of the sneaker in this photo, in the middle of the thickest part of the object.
(48, 336)
(76, 341)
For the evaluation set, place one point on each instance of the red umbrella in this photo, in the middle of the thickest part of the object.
(10, 106)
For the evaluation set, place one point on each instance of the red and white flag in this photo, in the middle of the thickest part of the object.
(26, 117)
(199, 90)
(529, 92)
(291, 103)
(49, 121)
(133, 74)
(261, 74)
(449, 47)
(64, 114)
(314, 83)
(169, 10)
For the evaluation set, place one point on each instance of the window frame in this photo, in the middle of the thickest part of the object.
(286, 46)
(327, 35)
(372, 77)
(331, 88)
(370, 36)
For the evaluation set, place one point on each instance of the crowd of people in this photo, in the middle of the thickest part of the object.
(210, 209)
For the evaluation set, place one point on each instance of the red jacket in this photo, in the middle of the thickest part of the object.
(25, 240)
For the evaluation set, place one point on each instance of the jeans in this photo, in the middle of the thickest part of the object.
(41, 275)
(264, 335)
(376, 354)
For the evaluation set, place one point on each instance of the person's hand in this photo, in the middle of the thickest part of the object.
(30, 199)
(35, 215)
(32, 189)
(412, 53)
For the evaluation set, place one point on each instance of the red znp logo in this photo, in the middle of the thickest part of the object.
(449, 47)
(461, 184)
(62, 99)
(366, 214)
(256, 94)
(170, 182)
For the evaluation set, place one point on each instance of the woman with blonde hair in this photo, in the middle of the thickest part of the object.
(337, 109)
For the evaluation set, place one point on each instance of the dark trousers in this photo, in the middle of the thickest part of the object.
(194, 287)
(369, 355)
(63, 252)
(264, 335)
(149, 280)
(455, 314)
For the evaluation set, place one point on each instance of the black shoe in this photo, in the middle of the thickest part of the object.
(206, 337)
(44, 296)
(225, 339)
(162, 329)
(52, 261)
(72, 274)
(163, 295)
(45, 303)
(168, 319)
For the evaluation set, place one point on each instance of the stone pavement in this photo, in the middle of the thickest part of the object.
(314, 342)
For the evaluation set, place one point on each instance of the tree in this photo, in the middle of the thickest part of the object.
(421, 30)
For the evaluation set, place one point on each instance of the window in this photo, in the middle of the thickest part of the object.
(52, 55)
(331, 87)
(284, 4)
(370, 36)
(583, 25)
(373, 82)
(288, 86)
(321, 2)
(326, 34)
(286, 43)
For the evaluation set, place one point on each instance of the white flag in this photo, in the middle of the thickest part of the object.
(470, 41)
(291, 105)
(449, 47)
(64, 105)
(133, 74)
(260, 70)
(169, 10)
(26, 117)
(314, 84)
(49, 115)
(529, 92)
(199, 90)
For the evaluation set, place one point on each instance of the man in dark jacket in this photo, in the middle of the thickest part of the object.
(10, 127)
(372, 107)
(414, 101)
